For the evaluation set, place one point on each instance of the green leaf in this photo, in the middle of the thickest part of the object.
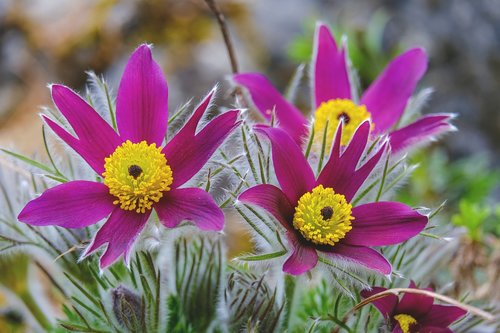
(262, 257)
(29, 161)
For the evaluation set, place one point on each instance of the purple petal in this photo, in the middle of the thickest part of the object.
(384, 223)
(188, 152)
(421, 131)
(191, 204)
(292, 169)
(96, 139)
(386, 304)
(95, 161)
(142, 101)
(120, 231)
(303, 257)
(273, 200)
(442, 315)
(415, 305)
(387, 96)
(267, 99)
(340, 172)
(75, 204)
(434, 329)
(331, 80)
(361, 255)
(397, 328)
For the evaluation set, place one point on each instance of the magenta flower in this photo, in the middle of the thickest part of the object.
(383, 102)
(415, 313)
(317, 213)
(138, 174)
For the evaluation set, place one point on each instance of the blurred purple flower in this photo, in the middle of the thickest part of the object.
(317, 213)
(415, 313)
(138, 175)
(383, 102)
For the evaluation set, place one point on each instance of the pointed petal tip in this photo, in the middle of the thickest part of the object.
(419, 57)
(418, 51)
(147, 47)
(321, 28)
(386, 271)
(213, 91)
(57, 89)
(22, 216)
(364, 124)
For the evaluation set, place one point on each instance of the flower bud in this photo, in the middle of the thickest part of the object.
(128, 308)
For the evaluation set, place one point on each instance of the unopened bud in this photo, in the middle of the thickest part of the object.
(128, 308)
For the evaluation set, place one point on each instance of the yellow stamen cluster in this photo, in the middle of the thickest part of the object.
(137, 174)
(405, 321)
(323, 216)
(333, 112)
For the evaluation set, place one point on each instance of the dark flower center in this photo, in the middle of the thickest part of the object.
(345, 117)
(326, 212)
(134, 170)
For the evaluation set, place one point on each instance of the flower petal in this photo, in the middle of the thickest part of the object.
(434, 329)
(387, 96)
(331, 79)
(75, 204)
(187, 153)
(96, 138)
(303, 258)
(397, 328)
(340, 171)
(361, 255)
(267, 99)
(120, 231)
(420, 131)
(415, 305)
(384, 223)
(273, 200)
(442, 315)
(292, 169)
(192, 204)
(386, 304)
(142, 101)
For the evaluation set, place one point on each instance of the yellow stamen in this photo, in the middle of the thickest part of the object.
(333, 112)
(405, 321)
(137, 174)
(323, 216)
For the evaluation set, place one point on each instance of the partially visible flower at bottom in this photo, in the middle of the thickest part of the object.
(138, 174)
(415, 313)
(317, 214)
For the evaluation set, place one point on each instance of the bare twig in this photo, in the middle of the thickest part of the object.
(221, 20)
(396, 291)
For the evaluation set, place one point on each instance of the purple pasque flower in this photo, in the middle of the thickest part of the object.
(383, 102)
(317, 213)
(138, 173)
(414, 312)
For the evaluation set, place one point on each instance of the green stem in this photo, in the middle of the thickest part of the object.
(35, 310)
